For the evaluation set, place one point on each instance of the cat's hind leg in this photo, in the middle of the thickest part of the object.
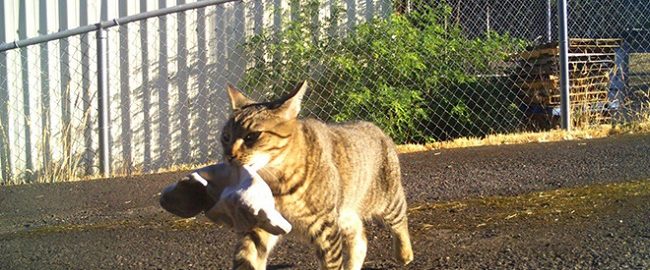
(396, 220)
(355, 239)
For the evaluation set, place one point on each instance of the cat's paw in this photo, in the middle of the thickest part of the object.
(403, 252)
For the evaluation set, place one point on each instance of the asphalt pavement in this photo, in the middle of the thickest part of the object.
(576, 204)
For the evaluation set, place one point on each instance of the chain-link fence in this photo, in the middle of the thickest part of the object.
(422, 70)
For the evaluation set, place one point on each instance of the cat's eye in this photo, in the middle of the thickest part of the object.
(251, 138)
(225, 137)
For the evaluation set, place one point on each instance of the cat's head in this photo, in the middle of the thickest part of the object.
(256, 133)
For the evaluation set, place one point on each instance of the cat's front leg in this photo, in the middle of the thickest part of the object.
(253, 249)
(328, 240)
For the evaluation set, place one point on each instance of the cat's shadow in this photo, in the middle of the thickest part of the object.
(280, 266)
(291, 266)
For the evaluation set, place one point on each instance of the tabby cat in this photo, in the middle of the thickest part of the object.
(328, 180)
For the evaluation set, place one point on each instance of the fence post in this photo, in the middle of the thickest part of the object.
(102, 102)
(563, 41)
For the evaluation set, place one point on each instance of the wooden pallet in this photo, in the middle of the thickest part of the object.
(590, 63)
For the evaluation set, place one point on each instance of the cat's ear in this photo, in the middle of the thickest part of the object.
(237, 99)
(291, 103)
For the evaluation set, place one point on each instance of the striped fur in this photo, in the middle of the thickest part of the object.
(328, 179)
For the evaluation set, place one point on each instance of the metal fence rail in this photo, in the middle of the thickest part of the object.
(145, 92)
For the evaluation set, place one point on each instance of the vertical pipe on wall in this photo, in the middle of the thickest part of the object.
(102, 105)
(564, 64)
(549, 25)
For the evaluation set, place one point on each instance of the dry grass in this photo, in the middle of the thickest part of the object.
(531, 137)
(70, 164)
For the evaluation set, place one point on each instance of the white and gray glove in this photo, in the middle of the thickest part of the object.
(249, 203)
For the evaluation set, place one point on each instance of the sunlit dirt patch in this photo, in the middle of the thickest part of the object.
(539, 208)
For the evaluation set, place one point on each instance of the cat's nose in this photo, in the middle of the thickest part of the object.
(233, 159)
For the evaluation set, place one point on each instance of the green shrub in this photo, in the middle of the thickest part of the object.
(414, 75)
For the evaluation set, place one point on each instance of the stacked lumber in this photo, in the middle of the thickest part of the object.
(591, 62)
